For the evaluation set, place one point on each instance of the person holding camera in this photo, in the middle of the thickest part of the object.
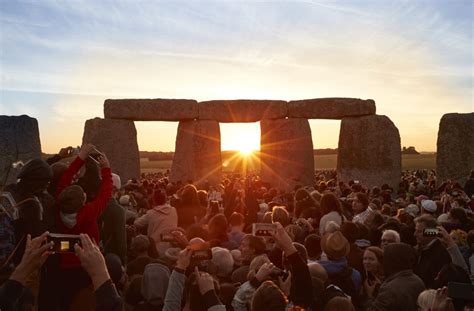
(75, 216)
(432, 256)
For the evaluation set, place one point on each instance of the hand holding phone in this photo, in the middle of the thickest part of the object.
(63, 243)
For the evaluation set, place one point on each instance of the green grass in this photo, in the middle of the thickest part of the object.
(409, 162)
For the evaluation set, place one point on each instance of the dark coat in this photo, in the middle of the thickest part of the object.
(398, 292)
(430, 261)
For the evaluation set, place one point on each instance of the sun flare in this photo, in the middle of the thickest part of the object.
(242, 137)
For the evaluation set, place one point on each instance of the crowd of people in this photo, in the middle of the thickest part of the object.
(74, 236)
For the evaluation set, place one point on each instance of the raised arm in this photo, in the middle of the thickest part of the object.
(105, 192)
(74, 167)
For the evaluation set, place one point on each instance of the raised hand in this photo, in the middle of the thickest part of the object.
(92, 261)
(86, 150)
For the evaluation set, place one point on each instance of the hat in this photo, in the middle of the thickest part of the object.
(36, 169)
(124, 199)
(335, 245)
(429, 206)
(116, 181)
(412, 210)
(155, 283)
(71, 199)
(140, 243)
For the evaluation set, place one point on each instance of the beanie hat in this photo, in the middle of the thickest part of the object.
(335, 245)
(71, 199)
(429, 206)
(36, 169)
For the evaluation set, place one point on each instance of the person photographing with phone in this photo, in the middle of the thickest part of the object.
(75, 217)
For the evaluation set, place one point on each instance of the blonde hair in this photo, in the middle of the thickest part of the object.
(425, 299)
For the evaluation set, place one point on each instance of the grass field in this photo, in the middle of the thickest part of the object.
(409, 162)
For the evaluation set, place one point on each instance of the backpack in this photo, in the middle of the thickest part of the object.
(9, 212)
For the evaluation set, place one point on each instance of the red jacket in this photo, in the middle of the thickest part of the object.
(86, 220)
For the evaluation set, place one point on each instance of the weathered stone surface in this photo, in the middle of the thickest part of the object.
(151, 109)
(330, 108)
(19, 141)
(369, 151)
(118, 140)
(242, 110)
(286, 153)
(197, 154)
(455, 155)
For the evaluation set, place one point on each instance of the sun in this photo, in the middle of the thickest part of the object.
(246, 150)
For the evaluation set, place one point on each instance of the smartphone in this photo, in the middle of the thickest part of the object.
(200, 255)
(431, 232)
(463, 291)
(63, 243)
(263, 229)
(95, 154)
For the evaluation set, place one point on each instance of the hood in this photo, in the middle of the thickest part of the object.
(398, 257)
(163, 209)
(155, 283)
(335, 266)
(69, 220)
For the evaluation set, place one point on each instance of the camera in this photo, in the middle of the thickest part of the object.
(431, 232)
(200, 255)
(63, 243)
(263, 229)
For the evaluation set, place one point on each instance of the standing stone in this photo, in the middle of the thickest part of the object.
(455, 155)
(242, 110)
(19, 141)
(330, 108)
(151, 109)
(118, 140)
(197, 154)
(286, 153)
(369, 151)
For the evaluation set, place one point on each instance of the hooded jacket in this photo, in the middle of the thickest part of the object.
(85, 220)
(159, 219)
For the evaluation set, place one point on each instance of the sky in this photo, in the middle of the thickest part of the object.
(59, 61)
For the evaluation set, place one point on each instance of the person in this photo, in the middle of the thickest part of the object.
(26, 209)
(360, 206)
(113, 233)
(469, 186)
(401, 288)
(159, 219)
(336, 247)
(188, 206)
(389, 236)
(373, 268)
(250, 247)
(331, 210)
(237, 224)
(36, 252)
(77, 217)
(432, 256)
